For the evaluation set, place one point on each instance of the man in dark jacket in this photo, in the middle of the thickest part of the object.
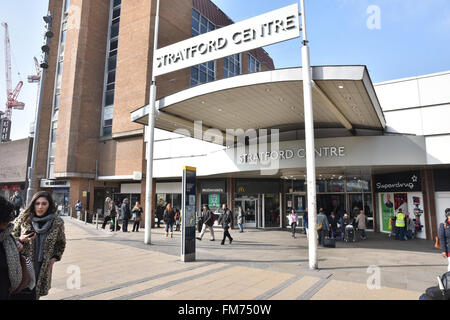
(17, 201)
(208, 222)
(444, 236)
(333, 221)
(225, 219)
(126, 214)
(159, 214)
(322, 226)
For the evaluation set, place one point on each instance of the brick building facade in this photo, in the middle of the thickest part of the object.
(100, 68)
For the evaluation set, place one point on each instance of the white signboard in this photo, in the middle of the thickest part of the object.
(266, 29)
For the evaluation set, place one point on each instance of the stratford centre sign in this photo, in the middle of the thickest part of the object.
(266, 29)
(321, 152)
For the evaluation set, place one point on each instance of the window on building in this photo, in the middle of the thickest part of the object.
(107, 120)
(202, 73)
(57, 92)
(205, 72)
(232, 66)
(111, 65)
(66, 6)
(253, 64)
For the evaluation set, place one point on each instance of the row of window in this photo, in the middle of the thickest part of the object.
(202, 73)
(57, 95)
(108, 110)
(206, 72)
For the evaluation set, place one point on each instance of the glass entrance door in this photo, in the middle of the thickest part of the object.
(250, 209)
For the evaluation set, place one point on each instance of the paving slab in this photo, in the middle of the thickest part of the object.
(259, 264)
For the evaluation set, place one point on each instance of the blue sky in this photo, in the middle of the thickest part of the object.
(413, 39)
(26, 29)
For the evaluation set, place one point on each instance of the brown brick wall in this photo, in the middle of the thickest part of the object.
(82, 88)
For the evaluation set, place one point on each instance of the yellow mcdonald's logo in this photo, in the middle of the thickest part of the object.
(241, 189)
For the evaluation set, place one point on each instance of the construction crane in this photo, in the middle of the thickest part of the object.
(35, 78)
(11, 95)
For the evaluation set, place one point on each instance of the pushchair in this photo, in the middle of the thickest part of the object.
(349, 233)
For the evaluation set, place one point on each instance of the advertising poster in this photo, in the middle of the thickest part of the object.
(188, 214)
(214, 200)
(401, 202)
(387, 210)
(415, 205)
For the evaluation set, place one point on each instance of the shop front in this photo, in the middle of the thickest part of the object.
(335, 193)
(260, 202)
(60, 190)
(442, 193)
(401, 190)
(213, 193)
(7, 190)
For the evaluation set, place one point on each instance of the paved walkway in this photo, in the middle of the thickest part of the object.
(258, 265)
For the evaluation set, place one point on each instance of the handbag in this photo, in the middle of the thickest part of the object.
(437, 245)
(25, 276)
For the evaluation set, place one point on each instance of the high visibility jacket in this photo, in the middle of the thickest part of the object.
(400, 222)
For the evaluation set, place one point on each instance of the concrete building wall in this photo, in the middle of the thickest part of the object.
(14, 160)
(419, 105)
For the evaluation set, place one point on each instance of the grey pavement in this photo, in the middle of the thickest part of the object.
(263, 264)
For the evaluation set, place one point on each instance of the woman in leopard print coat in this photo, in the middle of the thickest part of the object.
(46, 244)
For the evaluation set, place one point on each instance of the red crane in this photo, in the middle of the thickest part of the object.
(11, 96)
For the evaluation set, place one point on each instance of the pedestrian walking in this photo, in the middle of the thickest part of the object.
(444, 237)
(159, 215)
(410, 228)
(305, 222)
(113, 225)
(293, 221)
(126, 214)
(137, 216)
(107, 211)
(208, 223)
(322, 226)
(14, 274)
(225, 219)
(400, 225)
(17, 201)
(361, 220)
(177, 220)
(333, 223)
(169, 219)
(41, 232)
(78, 208)
(240, 219)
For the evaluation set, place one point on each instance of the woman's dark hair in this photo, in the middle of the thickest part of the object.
(6, 210)
(29, 210)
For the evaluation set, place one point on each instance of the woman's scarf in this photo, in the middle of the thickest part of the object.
(12, 257)
(41, 234)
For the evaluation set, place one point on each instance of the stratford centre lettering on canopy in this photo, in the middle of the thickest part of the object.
(269, 28)
(321, 152)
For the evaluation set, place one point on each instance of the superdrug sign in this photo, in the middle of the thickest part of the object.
(398, 182)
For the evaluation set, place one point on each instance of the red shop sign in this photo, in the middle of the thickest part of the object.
(12, 187)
